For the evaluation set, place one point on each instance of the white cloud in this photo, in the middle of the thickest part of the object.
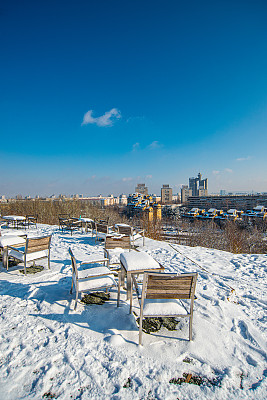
(215, 172)
(148, 176)
(228, 170)
(105, 120)
(128, 179)
(244, 158)
(154, 145)
(136, 146)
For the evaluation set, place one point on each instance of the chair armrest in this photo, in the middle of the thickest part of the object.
(103, 260)
(24, 236)
(106, 253)
(14, 248)
(138, 231)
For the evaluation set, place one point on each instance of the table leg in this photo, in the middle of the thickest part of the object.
(131, 295)
(5, 255)
(129, 284)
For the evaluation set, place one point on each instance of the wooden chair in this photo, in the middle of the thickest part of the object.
(132, 232)
(34, 249)
(102, 230)
(29, 220)
(112, 243)
(69, 223)
(63, 220)
(162, 294)
(90, 279)
(32, 220)
(102, 220)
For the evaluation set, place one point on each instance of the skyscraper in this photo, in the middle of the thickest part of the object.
(198, 186)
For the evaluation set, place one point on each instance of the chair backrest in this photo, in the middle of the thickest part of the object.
(123, 242)
(93, 225)
(32, 216)
(73, 263)
(63, 216)
(37, 244)
(102, 228)
(169, 286)
(125, 230)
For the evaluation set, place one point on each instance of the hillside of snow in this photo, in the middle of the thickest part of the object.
(48, 350)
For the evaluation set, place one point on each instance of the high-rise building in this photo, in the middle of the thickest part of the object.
(141, 188)
(198, 186)
(166, 194)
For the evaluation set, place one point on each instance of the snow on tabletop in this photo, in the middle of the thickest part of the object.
(47, 349)
(136, 260)
(10, 240)
(125, 225)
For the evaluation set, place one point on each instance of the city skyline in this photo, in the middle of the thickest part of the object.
(100, 96)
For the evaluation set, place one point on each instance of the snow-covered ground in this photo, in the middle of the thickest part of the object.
(47, 349)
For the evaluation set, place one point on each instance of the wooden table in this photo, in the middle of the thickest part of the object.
(86, 221)
(10, 240)
(135, 263)
(13, 219)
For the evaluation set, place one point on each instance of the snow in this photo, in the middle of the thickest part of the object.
(47, 348)
(10, 240)
(30, 256)
(134, 261)
(164, 307)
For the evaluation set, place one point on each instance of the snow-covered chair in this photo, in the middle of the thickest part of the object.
(114, 246)
(134, 233)
(91, 278)
(162, 294)
(34, 249)
(102, 230)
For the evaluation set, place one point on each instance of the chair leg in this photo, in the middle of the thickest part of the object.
(48, 261)
(25, 265)
(76, 300)
(190, 326)
(6, 259)
(140, 329)
(71, 286)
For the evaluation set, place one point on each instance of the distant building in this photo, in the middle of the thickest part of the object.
(123, 200)
(185, 193)
(166, 194)
(3, 199)
(141, 188)
(143, 205)
(198, 186)
(241, 202)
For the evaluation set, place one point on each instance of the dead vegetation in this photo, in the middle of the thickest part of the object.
(232, 236)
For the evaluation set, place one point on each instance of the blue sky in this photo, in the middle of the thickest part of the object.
(96, 96)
